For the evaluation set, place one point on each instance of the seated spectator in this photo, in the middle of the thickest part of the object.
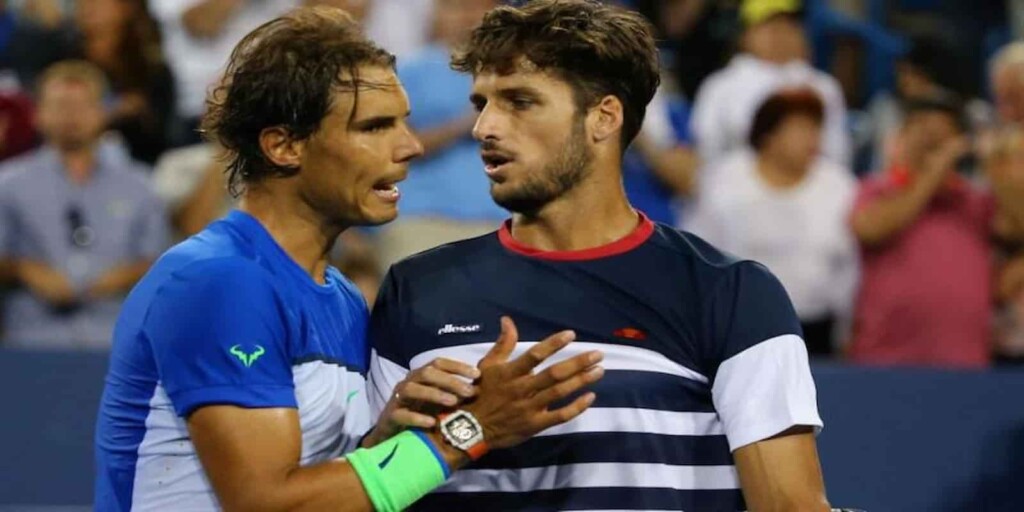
(78, 222)
(445, 196)
(925, 234)
(199, 36)
(784, 206)
(774, 54)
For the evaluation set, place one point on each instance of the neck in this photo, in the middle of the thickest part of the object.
(79, 163)
(595, 213)
(302, 233)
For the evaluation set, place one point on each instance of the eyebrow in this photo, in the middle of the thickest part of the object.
(378, 120)
(508, 92)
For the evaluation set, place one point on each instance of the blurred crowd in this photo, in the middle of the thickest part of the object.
(870, 153)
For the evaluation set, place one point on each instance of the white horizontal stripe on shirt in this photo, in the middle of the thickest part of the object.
(616, 357)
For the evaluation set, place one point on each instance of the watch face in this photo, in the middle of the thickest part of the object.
(461, 429)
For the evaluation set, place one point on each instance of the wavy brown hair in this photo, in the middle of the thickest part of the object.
(286, 73)
(598, 49)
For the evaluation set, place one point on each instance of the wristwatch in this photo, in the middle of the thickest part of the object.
(461, 430)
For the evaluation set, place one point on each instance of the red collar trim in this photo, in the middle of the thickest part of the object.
(643, 231)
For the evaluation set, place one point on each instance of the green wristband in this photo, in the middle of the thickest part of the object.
(399, 471)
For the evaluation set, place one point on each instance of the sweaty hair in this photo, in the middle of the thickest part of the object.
(780, 106)
(286, 73)
(598, 49)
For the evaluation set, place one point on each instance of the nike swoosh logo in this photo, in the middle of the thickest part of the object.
(387, 460)
(351, 396)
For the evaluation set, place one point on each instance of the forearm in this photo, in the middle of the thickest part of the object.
(329, 486)
(877, 223)
(676, 168)
(119, 279)
(207, 18)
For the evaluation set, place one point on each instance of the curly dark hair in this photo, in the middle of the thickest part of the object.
(286, 73)
(598, 49)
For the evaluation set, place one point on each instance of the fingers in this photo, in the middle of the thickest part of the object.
(411, 419)
(564, 370)
(525, 363)
(566, 388)
(416, 394)
(565, 414)
(446, 375)
(504, 346)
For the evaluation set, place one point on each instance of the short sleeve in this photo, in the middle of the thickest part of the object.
(388, 364)
(762, 381)
(218, 332)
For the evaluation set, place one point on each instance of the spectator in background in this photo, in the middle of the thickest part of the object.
(921, 72)
(774, 54)
(78, 223)
(123, 39)
(403, 27)
(1004, 164)
(199, 37)
(925, 234)
(784, 206)
(1006, 74)
(445, 196)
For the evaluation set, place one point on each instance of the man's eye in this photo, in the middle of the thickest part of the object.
(521, 104)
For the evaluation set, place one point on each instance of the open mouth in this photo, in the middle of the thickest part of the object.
(494, 161)
(387, 191)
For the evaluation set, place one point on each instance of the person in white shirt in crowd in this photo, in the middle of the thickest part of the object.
(782, 205)
(198, 38)
(774, 53)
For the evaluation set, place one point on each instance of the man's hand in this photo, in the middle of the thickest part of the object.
(512, 402)
(425, 392)
(45, 282)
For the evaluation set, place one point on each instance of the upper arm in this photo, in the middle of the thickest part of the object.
(388, 366)
(782, 473)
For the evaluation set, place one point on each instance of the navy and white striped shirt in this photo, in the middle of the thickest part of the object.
(703, 355)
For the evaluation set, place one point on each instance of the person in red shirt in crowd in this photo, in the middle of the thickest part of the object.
(926, 232)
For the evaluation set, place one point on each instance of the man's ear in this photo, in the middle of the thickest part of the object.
(606, 119)
(281, 148)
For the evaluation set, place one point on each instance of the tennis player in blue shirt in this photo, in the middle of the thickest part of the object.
(237, 377)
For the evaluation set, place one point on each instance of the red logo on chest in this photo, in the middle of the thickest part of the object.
(631, 333)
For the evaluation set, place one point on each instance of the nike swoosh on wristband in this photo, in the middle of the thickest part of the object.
(387, 460)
